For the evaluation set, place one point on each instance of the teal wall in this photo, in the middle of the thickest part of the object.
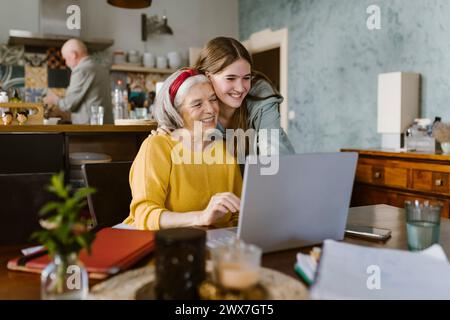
(334, 61)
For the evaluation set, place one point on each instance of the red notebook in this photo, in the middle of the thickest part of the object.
(113, 250)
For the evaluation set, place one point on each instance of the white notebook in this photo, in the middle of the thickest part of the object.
(355, 272)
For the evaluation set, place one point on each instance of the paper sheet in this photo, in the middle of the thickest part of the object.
(355, 272)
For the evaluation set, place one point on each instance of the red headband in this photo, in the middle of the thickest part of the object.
(176, 84)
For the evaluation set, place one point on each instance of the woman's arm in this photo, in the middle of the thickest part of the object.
(272, 139)
(149, 183)
(264, 115)
(219, 205)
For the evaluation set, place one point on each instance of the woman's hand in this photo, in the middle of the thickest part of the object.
(161, 131)
(219, 205)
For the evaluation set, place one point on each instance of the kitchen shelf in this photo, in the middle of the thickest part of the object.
(136, 68)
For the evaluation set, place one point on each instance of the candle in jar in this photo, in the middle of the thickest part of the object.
(237, 276)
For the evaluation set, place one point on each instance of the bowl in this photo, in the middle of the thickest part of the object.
(51, 121)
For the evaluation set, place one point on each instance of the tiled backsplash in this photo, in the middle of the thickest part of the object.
(31, 72)
(34, 73)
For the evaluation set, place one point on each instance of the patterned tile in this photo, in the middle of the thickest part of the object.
(151, 80)
(136, 81)
(36, 77)
(60, 92)
(33, 94)
(58, 78)
(12, 55)
(11, 76)
(36, 59)
(55, 59)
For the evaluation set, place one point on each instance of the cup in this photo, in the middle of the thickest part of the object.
(149, 60)
(422, 224)
(134, 57)
(236, 265)
(161, 62)
(141, 113)
(96, 116)
(174, 60)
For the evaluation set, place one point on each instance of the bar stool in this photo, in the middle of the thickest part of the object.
(77, 159)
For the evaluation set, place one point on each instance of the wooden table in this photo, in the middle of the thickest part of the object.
(18, 285)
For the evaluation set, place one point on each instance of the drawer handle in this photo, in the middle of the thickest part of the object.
(377, 175)
(439, 182)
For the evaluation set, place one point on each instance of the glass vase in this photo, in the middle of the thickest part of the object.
(65, 278)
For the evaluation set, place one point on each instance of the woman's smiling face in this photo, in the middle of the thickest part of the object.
(200, 104)
(233, 83)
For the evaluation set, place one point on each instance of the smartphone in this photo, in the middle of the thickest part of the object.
(368, 232)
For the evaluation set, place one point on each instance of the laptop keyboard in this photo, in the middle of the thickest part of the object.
(219, 237)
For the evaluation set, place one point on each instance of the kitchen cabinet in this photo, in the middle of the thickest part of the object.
(386, 177)
(40, 148)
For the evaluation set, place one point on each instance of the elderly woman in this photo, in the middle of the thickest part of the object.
(169, 193)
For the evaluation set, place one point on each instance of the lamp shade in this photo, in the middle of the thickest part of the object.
(130, 4)
(398, 101)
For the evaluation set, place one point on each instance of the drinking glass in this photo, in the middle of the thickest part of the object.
(96, 116)
(422, 224)
(236, 265)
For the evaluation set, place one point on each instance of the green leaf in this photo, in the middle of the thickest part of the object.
(48, 207)
(57, 185)
(62, 238)
(82, 193)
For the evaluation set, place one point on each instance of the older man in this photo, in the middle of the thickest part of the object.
(89, 85)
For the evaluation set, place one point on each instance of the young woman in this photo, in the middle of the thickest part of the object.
(170, 193)
(247, 98)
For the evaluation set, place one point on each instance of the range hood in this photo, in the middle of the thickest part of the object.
(53, 31)
(33, 40)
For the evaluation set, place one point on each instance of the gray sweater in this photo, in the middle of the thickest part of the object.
(264, 114)
(89, 86)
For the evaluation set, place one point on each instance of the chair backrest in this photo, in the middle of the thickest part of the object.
(21, 198)
(110, 205)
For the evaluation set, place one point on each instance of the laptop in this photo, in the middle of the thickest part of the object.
(304, 203)
(110, 205)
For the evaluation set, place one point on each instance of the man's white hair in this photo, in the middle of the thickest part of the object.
(168, 114)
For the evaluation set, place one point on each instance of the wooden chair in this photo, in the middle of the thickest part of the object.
(110, 205)
(21, 197)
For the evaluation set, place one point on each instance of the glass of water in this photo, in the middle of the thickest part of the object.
(423, 222)
(97, 115)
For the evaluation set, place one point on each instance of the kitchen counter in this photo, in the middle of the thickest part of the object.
(77, 128)
(46, 148)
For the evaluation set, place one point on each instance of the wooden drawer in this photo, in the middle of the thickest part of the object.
(382, 175)
(370, 195)
(424, 180)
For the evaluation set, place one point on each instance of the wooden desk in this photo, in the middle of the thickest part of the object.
(18, 285)
(392, 177)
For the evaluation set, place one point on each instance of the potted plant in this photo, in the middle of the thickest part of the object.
(441, 132)
(65, 233)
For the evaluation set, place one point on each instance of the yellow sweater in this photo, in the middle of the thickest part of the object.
(160, 183)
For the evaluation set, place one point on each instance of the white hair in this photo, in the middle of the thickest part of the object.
(168, 114)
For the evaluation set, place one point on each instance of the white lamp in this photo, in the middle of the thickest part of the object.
(398, 106)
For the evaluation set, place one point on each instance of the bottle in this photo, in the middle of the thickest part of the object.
(119, 101)
(15, 96)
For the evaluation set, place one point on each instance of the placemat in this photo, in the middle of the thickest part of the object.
(125, 286)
